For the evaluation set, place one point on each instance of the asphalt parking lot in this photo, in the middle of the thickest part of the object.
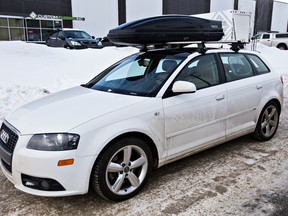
(241, 177)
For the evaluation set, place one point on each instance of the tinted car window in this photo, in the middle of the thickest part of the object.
(77, 34)
(281, 35)
(202, 71)
(266, 36)
(258, 64)
(61, 35)
(53, 36)
(236, 66)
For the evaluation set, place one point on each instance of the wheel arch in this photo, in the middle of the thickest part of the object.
(140, 135)
(282, 45)
(277, 102)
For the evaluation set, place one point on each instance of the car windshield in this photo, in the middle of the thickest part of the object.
(77, 34)
(139, 74)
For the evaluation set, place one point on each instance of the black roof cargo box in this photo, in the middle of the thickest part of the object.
(163, 29)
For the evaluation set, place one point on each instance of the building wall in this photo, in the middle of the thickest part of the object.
(100, 16)
(137, 9)
(279, 17)
(186, 6)
(221, 5)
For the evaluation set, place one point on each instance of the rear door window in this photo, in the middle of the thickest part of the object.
(236, 66)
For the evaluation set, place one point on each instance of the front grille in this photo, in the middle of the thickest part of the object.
(13, 138)
(8, 142)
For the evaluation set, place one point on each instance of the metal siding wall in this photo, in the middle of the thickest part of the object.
(189, 7)
(25, 7)
(263, 15)
(121, 11)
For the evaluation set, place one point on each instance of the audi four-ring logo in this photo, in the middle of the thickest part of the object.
(4, 136)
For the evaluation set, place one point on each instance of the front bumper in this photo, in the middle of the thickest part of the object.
(43, 165)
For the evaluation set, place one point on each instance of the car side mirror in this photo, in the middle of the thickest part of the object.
(183, 87)
(93, 37)
(253, 38)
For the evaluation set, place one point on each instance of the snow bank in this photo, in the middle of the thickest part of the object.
(29, 71)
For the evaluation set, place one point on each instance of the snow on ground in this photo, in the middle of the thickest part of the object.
(29, 71)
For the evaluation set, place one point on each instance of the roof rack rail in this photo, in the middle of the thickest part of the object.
(235, 45)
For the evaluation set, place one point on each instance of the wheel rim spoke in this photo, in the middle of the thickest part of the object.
(272, 114)
(114, 167)
(118, 184)
(127, 155)
(273, 123)
(137, 163)
(126, 170)
(135, 182)
(270, 120)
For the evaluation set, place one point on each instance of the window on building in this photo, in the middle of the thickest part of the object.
(4, 34)
(16, 23)
(17, 34)
(33, 23)
(3, 21)
(46, 24)
(33, 35)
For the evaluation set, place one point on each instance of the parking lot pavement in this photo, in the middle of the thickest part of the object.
(240, 177)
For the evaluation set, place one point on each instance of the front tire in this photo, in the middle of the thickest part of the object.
(121, 171)
(267, 123)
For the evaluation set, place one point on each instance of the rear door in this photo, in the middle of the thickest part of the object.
(244, 93)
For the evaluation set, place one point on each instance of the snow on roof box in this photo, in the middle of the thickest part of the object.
(163, 29)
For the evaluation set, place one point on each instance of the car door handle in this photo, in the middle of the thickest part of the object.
(220, 97)
(259, 87)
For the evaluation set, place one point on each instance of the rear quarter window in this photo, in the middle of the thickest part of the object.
(258, 64)
(281, 35)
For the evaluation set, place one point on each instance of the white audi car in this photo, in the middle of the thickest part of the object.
(150, 109)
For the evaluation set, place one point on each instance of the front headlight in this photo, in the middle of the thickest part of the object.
(75, 43)
(54, 142)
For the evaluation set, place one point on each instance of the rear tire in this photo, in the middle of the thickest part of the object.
(267, 123)
(282, 47)
(122, 170)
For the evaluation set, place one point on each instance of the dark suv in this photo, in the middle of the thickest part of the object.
(72, 39)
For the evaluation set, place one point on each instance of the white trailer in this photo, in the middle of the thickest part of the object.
(237, 25)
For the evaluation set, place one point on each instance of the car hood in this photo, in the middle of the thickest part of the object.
(65, 110)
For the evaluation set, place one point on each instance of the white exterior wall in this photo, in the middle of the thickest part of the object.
(221, 5)
(247, 5)
(137, 9)
(100, 16)
(279, 17)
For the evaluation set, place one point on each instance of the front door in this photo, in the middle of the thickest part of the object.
(196, 120)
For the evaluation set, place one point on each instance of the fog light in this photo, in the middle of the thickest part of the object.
(44, 184)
